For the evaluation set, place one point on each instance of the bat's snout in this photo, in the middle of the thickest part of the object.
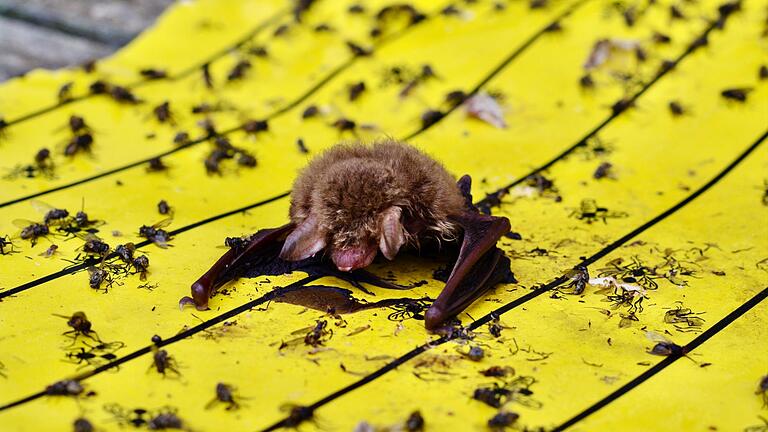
(353, 258)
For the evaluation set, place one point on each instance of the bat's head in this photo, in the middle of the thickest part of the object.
(354, 210)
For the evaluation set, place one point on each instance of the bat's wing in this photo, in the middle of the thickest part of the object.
(224, 269)
(480, 264)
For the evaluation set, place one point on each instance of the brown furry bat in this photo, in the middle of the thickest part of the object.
(356, 200)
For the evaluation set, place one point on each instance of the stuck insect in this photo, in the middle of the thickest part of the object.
(80, 325)
(64, 388)
(664, 346)
(6, 245)
(225, 394)
(156, 234)
(164, 363)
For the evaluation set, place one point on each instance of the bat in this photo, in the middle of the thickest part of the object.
(355, 201)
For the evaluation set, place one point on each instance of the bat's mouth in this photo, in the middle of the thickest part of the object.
(352, 258)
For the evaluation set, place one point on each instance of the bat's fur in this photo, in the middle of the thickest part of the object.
(349, 186)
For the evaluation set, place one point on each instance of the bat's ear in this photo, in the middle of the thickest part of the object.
(305, 241)
(392, 232)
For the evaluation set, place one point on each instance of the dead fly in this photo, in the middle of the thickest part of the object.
(94, 355)
(355, 90)
(502, 420)
(79, 144)
(224, 394)
(49, 252)
(6, 245)
(736, 94)
(82, 425)
(162, 112)
(664, 347)
(64, 388)
(156, 164)
(156, 234)
(676, 108)
(357, 50)
(310, 111)
(684, 319)
(181, 138)
(246, 159)
(543, 186)
(622, 105)
(412, 309)
(239, 70)
(236, 242)
(123, 95)
(207, 78)
(590, 212)
(208, 126)
(94, 246)
(165, 420)
(163, 207)
(297, 414)
(98, 87)
(604, 170)
(164, 363)
(491, 396)
(356, 9)
(495, 327)
(281, 30)
(344, 124)
(455, 98)
(762, 73)
(125, 252)
(258, 51)
(42, 165)
(255, 126)
(430, 117)
(392, 12)
(323, 28)
(426, 73)
(31, 230)
(517, 390)
(475, 353)
(213, 160)
(675, 13)
(634, 272)
(762, 389)
(319, 334)
(80, 327)
(302, 147)
(553, 27)
(140, 265)
(153, 74)
(97, 276)
(498, 371)
(630, 16)
(450, 10)
(578, 279)
(414, 422)
(661, 38)
(65, 92)
(77, 125)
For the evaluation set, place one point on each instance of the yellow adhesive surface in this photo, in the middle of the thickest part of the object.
(682, 220)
